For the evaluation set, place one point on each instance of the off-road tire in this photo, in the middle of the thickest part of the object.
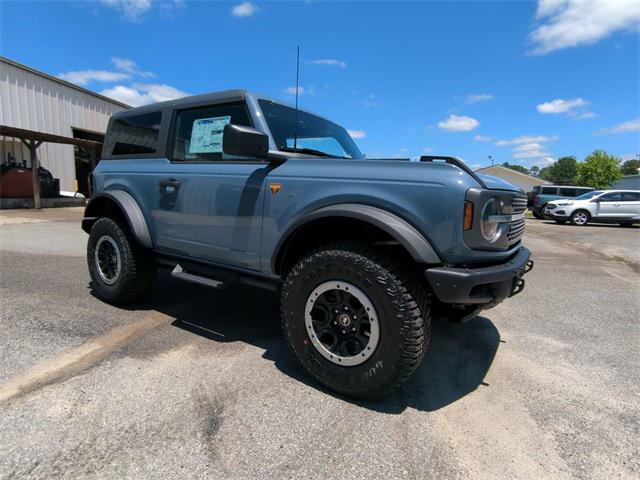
(575, 214)
(137, 270)
(397, 294)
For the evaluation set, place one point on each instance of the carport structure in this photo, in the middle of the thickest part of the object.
(32, 140)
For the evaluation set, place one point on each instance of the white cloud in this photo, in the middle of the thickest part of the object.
(127, 69)
(245, 9)
(570, 23)
(132, 10)
(477, 98)
(129, 66)
(292, 90)
(329, 62)
(143, 93)
(482, 138)
(625, 127)
(528, 147)
(544, 162)
(458, 123)
(561, 106)
(526, 139)
(372, 101)
(585, 116)
(82, 77)
(357, 133)
(531, 154)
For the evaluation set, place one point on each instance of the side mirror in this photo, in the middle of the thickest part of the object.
(244, 141)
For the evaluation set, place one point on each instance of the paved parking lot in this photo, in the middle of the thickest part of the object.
(198, 384)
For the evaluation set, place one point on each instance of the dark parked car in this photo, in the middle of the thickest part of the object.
(541, 195)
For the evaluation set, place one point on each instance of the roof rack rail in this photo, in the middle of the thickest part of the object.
(453, 161)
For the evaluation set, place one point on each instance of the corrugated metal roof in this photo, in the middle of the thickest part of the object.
(62, 82)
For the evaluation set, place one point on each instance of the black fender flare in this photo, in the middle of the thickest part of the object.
(406, 234)
(130, 209)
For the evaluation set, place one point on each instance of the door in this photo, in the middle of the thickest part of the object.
(210, 204)
(630, 203)
(609, 206)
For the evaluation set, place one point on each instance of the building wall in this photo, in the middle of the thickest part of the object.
(35, 102)
(525, 182)
(628, 182)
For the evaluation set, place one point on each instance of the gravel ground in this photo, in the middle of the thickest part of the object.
(198, 383)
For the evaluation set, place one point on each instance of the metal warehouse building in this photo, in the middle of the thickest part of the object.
(42, 106)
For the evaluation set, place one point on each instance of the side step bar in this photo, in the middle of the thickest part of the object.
(180, 273)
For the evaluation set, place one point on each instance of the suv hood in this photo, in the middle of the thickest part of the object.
(496, 183)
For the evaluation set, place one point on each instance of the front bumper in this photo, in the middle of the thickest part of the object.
(484, 287)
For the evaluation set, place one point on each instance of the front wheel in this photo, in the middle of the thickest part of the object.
(356, 320)
(121, 270)
(580, 217)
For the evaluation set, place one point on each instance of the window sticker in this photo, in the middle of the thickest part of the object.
(206, 135)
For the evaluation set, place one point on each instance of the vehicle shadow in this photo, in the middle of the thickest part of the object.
(456, 363)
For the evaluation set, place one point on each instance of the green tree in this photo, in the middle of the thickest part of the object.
(545, 174)
(534, 170)
(564, 171)
(599, 170)
(517, 168)
(631, 167)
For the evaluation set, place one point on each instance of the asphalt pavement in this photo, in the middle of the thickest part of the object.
(196, 383)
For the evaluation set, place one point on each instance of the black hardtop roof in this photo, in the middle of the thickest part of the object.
(225, 96)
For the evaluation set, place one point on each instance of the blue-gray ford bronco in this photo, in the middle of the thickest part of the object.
(233, 187)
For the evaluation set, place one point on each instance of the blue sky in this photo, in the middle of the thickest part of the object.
(525, 82)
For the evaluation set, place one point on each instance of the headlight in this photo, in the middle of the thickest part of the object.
(489, 228)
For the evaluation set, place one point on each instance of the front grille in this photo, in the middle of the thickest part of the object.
(519, 203)
(516, 228)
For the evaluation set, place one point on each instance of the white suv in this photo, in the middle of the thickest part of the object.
(603, 206)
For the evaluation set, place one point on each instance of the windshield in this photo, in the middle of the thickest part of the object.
(315, 136)
(588, 195)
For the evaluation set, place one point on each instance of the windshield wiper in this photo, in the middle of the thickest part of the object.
(309, 151)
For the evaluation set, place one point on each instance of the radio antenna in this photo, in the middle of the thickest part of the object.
(295, 127)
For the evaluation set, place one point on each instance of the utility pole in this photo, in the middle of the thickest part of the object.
(491, 159)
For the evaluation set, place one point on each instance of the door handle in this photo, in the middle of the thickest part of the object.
(617, 204)
(170, 185)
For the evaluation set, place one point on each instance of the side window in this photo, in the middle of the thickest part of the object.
(610, 197)
(198, 132)
(549, 190)
(568, 192)
(536, 189)
(134, 135)
(630, 196)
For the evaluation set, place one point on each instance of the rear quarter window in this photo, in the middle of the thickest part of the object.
(630, 196)
(134, 135)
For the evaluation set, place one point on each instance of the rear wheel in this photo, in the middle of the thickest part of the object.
(356, 320)
(580, 217)
(121, 270)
